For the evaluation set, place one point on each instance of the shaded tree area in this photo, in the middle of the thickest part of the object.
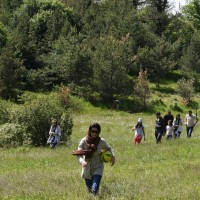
(95, 49)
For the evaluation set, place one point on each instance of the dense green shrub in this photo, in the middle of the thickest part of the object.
(4, 111)
(3, 35)
(66, 124)
(11, 134)
(35, 115)
(175, 107)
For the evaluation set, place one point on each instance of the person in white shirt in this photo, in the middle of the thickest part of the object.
(139, 132)
(177, 123)
(88, 153)
(190, 122)
(54, 134)
(169, 130)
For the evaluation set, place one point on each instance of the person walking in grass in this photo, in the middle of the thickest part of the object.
(159, 127)
(54, 134)
(190, 122)
(139, 132)
(177, 123)
(88, 153)
(169, 130)
(166, 118)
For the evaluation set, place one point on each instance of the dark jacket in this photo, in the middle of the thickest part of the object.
(167, 118)
(160, 124)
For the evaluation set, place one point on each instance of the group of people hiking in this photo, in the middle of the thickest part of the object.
(91, 146)
(167, 126)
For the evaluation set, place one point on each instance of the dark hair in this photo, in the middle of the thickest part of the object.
(138, 125)
(158, 113)
(95, 125)
(170, 122)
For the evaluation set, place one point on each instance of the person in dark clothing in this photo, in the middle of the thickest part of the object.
(177, 123)
(168, 117)
(159, 128)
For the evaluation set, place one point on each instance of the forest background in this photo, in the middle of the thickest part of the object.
(54, 53)
(71, 60)
(95, 48)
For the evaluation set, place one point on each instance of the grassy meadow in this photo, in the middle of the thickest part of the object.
(170, 170)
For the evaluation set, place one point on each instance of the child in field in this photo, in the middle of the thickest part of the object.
(139, 132)
(169, 130)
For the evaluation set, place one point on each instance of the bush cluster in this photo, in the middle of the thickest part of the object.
(29, 122)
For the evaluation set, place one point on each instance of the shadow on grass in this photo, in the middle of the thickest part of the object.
(170, 77)
(166, 90)
(134, 105)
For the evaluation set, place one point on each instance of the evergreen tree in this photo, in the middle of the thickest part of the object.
(192, 13)
(69, 62)
(3, 35)
(157, 61)
(39, 23)
(191, 59)
(11, 73)
(110, 67)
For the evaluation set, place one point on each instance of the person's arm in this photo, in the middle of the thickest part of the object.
(51, 132)
(143, 132)
(56, 132)
(163, 125)
(107, 147)
(186, 120)
(81, 158)
(135, 127)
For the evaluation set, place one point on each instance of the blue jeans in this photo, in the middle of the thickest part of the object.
(93, 184)
(169, 137)
(158, 135)
(177, 134)
(189, 131)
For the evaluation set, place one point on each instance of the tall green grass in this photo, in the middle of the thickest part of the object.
(170, 170)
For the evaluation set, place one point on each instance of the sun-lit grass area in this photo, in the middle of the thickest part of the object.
(169, 170)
